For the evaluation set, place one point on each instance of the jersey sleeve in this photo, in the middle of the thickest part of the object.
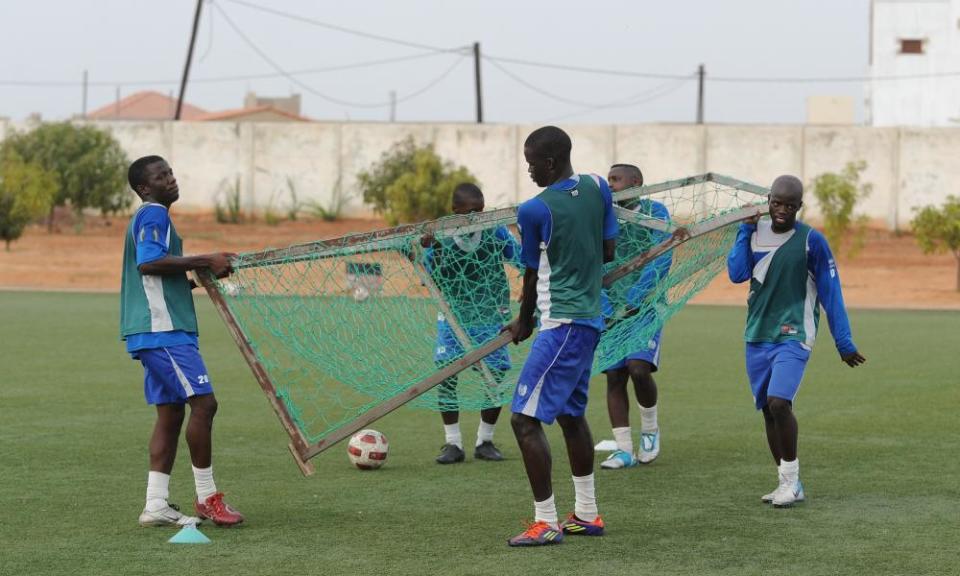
(740, 259)
(611, 228)
(511, 248)
(151, 234)
(535, 223)
(821, 265)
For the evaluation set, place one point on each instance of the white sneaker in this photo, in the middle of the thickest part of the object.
(619, 459)
(768, 498)
(649, 447)
(169, 515)
(788, 494)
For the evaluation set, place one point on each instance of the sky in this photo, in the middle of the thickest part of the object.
(123, 44)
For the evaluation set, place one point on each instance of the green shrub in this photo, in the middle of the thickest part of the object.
(411, 184)
(938, 230)
(838, 196)
(88, 164)
(26, 193)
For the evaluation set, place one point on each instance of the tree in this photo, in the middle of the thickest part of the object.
(411, 184)
(838, 195)
(938, 230)
(26, 193)
(89, 165)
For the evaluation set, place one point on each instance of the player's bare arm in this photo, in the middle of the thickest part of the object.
(218, 263)
(609, 250)
(522, 327)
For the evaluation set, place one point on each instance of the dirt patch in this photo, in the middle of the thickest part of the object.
(891, 272)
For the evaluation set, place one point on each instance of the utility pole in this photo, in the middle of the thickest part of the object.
(83, 109)
(393, 105)
(476, 74)
(186, 67)
(701, 72)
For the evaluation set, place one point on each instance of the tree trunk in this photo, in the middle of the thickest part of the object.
(957, 255)
(50, 220)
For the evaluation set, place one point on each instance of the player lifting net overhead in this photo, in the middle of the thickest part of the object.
(340, 332)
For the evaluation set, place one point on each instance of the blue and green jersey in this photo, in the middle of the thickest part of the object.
(155, 311)
(791, 276)
(562, 231)
(468, 270)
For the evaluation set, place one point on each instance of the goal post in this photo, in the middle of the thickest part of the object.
(340, 332)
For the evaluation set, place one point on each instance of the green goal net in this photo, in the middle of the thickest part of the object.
(340, 331)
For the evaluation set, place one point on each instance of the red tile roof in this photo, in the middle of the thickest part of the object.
(145, 105)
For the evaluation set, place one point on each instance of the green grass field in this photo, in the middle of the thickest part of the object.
(878, 452)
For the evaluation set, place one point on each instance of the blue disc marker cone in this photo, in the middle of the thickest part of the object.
(189, 534)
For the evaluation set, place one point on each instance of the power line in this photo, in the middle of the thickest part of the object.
(343, 29)
(731, 79)
(649, 95)
(221, 79)
(537, 89)
(828, 79)
(315, 92)
(584, 69)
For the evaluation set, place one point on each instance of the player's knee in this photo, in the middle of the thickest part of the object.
(204, 407)
(640, 371)
(779, 408)
(522, 425)
(571, 425)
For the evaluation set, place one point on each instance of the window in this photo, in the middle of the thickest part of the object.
(911, 46)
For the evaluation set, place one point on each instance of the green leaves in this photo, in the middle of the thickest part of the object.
(837, 196)
(411, 184)
(938, 229)
(88, 164)
(26, 193)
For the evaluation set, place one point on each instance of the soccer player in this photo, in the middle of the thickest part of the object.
(792, 273)
(159, 325)
(468, 270)
(567, 232)
(641, 364)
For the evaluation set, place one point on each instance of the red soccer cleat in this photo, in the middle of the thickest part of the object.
(217, 511)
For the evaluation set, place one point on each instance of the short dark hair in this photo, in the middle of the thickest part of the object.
(550, 142)
(634, 171)
(469, 190)
(136, 174)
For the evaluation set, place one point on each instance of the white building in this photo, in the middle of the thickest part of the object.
(917, 41)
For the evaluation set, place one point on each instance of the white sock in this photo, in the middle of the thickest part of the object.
(203, 479)
(585, 506)
(790, 470)
(624, 438)
(485, 432)
(546, 511)
(452, 434)
(648, 419)
(158, 490)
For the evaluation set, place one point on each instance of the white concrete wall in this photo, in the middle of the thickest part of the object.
(926, 99)
(907, 167)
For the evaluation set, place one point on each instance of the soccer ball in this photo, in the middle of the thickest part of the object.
(367, 449)
(360, 293)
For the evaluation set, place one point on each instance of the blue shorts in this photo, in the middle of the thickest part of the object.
(448, 347)
(173, 374)
(556, 376)
(650, 354)
(775, 369)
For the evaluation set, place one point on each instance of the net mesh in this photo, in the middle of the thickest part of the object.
(343, 325)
